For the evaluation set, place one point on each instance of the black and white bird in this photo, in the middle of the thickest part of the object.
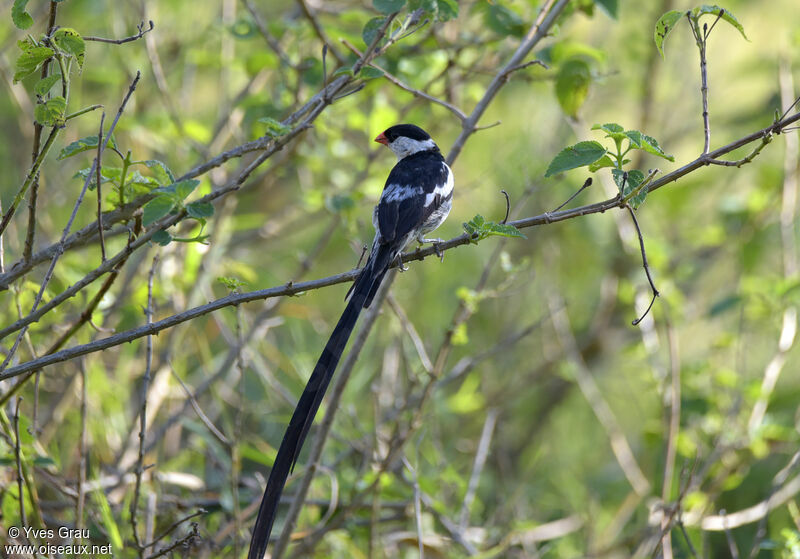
(416, 199)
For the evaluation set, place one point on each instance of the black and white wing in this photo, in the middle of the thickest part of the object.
(417, 188)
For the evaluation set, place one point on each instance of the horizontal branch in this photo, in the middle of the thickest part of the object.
(419, 254)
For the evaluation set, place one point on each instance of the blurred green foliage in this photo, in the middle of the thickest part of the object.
(721, 244)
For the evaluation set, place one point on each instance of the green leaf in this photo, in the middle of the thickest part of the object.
(84, 144)
(51, 112)
(200, 210)
(107, 174)
(184, 188)
(388, 6)
(161, 238)
(29, 60)
(71, 42)
(160, 170)
(274, 129)
(504, 21)
(601, 163)
(572, 157)
(664, 26)
(370, 30)
(344, 71)
(479, 228)
(634, 179)
(572, 85)
(505, 230)
(447, 10)
(714, 10)
(612, 130)
(646, 143)
(369, 73)
(44, 85)
(232, 283)
(611, 7)
(19, 16)
(157, 208)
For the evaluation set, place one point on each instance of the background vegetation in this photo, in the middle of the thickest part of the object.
(503, 405)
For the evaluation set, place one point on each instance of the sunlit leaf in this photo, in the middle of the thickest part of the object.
(51, 112)
(19, 16)
(572, 85)
(578, 155)
(79, 146)
(71, 42)
(664, 26)
(714, 10)
(29, 60)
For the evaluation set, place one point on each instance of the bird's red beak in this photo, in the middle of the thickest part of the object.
(382, 139)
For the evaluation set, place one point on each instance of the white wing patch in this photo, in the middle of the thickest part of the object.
(441, 190)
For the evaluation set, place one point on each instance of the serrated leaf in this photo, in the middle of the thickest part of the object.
(275, 128)
(578, 155)
(388, 6)
(184, 188)
(572, 85)
(601, 163)
(647, 143)
(664, 26)
(446, 10)
(71, 42)
(200, 210)
(505, 230)
(160, 169)
(44, 85)
(157, 208)
(371, 29)
(634, 179)
(51, 112)
(84, 144)
(161, 238)
(21, 18)
(715, 10)
(612, 130)
(29, 61)
(231, 283)
(370, 73)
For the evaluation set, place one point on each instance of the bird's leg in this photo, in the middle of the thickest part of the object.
(435, 242)
(400, 266)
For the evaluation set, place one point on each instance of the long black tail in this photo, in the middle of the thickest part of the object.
(363, 291)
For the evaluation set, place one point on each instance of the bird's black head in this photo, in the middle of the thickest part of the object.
(406, 139)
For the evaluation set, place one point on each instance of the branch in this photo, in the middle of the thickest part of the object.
(137, 36)
(536, 33)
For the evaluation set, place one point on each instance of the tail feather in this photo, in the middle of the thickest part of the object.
(363, 291)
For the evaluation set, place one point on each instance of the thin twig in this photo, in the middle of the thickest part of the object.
(586, 184)
(182, 542)
(402, 85)
(139, 469)
(141, 31)
(508, 206)
(82, 449)
(98, 168)
(18, 460)
(644, 264)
